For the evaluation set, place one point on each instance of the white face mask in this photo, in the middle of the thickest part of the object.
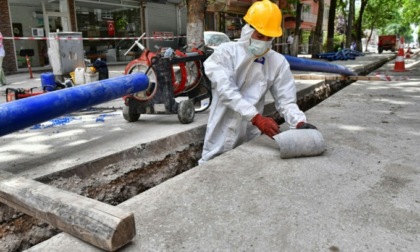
(259, 47)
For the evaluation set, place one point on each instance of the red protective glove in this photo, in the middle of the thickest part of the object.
(267, 125)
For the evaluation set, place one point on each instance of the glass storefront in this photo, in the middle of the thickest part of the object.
(36, 18)
(233, 24)
(105, 22)
(107, 25)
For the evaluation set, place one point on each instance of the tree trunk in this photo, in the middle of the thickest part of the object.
(318, 30)
(331, 28)
(296, 39)
(359, 28)
(369, 37)
(350, 24)
(195, 22)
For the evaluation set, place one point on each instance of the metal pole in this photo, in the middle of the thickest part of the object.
(26, 112)
(28, 62)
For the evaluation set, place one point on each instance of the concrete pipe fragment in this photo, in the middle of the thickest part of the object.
(23, 113)
(300, 143)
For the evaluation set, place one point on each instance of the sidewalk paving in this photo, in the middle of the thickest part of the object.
(101, 131)
(362, 194)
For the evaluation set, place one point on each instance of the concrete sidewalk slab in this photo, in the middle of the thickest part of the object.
(101, 131)
(361, 195)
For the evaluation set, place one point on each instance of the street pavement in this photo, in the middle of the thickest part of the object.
(81, 137)
(101, 131)
(362, 194)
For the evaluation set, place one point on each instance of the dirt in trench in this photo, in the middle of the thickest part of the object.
(114, 184)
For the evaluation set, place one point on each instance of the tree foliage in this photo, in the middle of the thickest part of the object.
(411, 11)
(380, 13)
(341, 17)
(386, 16)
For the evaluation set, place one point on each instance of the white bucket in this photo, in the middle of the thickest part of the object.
(91, 77)
(79, 73)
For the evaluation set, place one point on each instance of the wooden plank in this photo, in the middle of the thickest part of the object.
(371, 78)
(97, 223)
(334, 77)
(318, 77)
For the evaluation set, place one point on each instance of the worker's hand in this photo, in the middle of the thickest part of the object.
(304, 125)
(267, 125)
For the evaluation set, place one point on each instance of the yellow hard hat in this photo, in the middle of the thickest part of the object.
(265, 17)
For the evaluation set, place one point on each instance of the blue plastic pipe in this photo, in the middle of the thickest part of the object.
(300, 64)
(23, 113)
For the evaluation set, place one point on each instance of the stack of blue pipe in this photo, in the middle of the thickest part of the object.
(344, 54)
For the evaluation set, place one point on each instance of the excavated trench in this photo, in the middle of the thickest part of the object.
(123, 175)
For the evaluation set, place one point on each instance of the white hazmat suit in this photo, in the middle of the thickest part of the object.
(240, 82)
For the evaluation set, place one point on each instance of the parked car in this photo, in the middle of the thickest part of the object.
(212, 39)
(372, 48)
(413, 45)
(116, 53)
(121, 48)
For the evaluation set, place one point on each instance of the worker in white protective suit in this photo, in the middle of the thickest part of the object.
(241, 73)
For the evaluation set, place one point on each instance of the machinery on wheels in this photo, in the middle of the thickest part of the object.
(177, 84)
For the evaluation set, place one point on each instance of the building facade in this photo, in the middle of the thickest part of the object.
(309, 14)
(109, 27)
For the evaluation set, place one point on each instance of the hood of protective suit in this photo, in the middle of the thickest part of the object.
(246, 33)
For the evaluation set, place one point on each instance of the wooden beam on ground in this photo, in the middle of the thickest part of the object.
(369, 78)
(97, 223)
(318, 77)
(334, 77)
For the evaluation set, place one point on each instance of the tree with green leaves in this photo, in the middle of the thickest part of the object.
(378, 15)
(411, 11)
(340, 18)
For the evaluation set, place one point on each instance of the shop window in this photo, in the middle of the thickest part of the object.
(28, 21)
(108, 22)
(233, 25)
(209, 21)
